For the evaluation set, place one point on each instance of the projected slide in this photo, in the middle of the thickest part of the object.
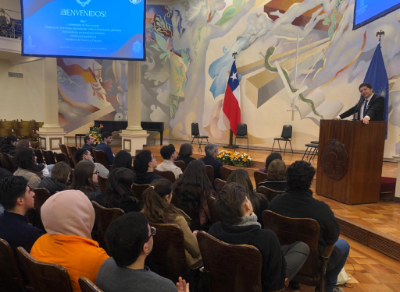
(84, 28)
(367, 11)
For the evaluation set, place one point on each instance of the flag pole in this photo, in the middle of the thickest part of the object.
(230, 145)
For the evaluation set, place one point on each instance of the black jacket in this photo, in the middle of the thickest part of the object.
(52, 186)
(301, 204)
(146, 178)
(186, 159)
(273, 262)
(128, 204)
(375, 108)
(209, 160)
(274, 185)
(87, 147)
(8, 149)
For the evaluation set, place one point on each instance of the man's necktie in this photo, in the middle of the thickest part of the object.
(365, 108)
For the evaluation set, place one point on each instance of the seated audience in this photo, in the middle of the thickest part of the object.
(276, 176)
(9, 145)
(298, 202)
(25, 160)
(17, 198)
(86, 155)
(4, 173)
(103, 146)
(89, 141)
(190, 193)
(258, 201)
(7, 163)
(118, 192)
(169, 154)
(130, 240)
(60, 176)
(239, 226)
(85, 179)
(68, 218)
(270, 158)
(185, 153)
(144, 166)
(123, 159)
(210, 159)
(45, 169)
(158, 209)
(24, 143)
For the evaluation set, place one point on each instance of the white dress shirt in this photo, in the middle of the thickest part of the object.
(169, 165)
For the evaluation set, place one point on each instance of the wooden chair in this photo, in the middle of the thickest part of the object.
(219, 184)
(39, 156)
(103, 218)
(49, 157)
(225, 172)
(44, 277)
(72, 150)
(167, 258)
(88, 286)
(181, 165)
(41, 195)
(64, 150)
(213, 212)
(139, 189)
(102, 183)
(61, 157)
(269, 193)
(169, 175)
(290, 230)
(11, 279)
(210, 173)
(233, 268)
(259, 177)
(7, 162)
(101, 157)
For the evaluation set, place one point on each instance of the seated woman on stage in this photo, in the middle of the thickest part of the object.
(269, 159)
(276, 176)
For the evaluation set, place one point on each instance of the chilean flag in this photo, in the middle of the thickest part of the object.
(231, 106)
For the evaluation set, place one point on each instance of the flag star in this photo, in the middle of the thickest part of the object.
(234, 76)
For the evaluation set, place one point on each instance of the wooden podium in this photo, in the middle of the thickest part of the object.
(350, 158)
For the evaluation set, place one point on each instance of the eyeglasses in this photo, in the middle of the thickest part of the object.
(152, 232)
(96, 172)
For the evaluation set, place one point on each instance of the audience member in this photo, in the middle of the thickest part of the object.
(239, 226)
(89, 141)
(85, 179)
(17, 198)
(276, 176)
(190, 193)
(23, 143)
(123, 159)
(6, 162)
(169, 154)
(9, 145)
(68, 218)
(185, 153)
(86, 155)
(25, 160)
(45, 169)
(270, 158)
(4, 173)
(211, 153)
(130, 240)
(158, 209)
(258, 201)
(298, 202)
(118, 192)
(60, 176)
(103, 146)
(144, 166)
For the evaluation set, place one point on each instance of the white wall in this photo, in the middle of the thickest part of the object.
(12, 7)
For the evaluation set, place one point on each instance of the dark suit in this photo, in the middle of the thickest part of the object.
(107, 150)
(209, 160)
(87, 147)
(375, 109)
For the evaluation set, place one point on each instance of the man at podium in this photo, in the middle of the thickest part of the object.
(369, 108)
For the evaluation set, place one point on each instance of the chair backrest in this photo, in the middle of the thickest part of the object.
(219, 185)
(39, 156)
(269, 193)
(7, 162)
(138, 190)
(289, 230)
(61, 157)
(10, 276)
(241, 130)
(88, 286)
(44, 277)
(41, 195)
(233, 268)
(49, 157)
(102, 183)
(72, 150)
(169, 175)
(103, 218)
(195, 129)
(210, 173)
(259, 177)
(225, 172)
(213, 212)
(287, 132)
(101, 157)
(63, 149)
(167, 258)
(181, 165)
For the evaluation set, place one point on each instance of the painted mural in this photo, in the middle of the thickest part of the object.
(189, 49)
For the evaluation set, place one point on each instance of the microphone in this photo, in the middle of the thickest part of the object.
(356, 112)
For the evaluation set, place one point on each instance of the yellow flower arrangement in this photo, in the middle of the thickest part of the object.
(234, 158)
(95, 132)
